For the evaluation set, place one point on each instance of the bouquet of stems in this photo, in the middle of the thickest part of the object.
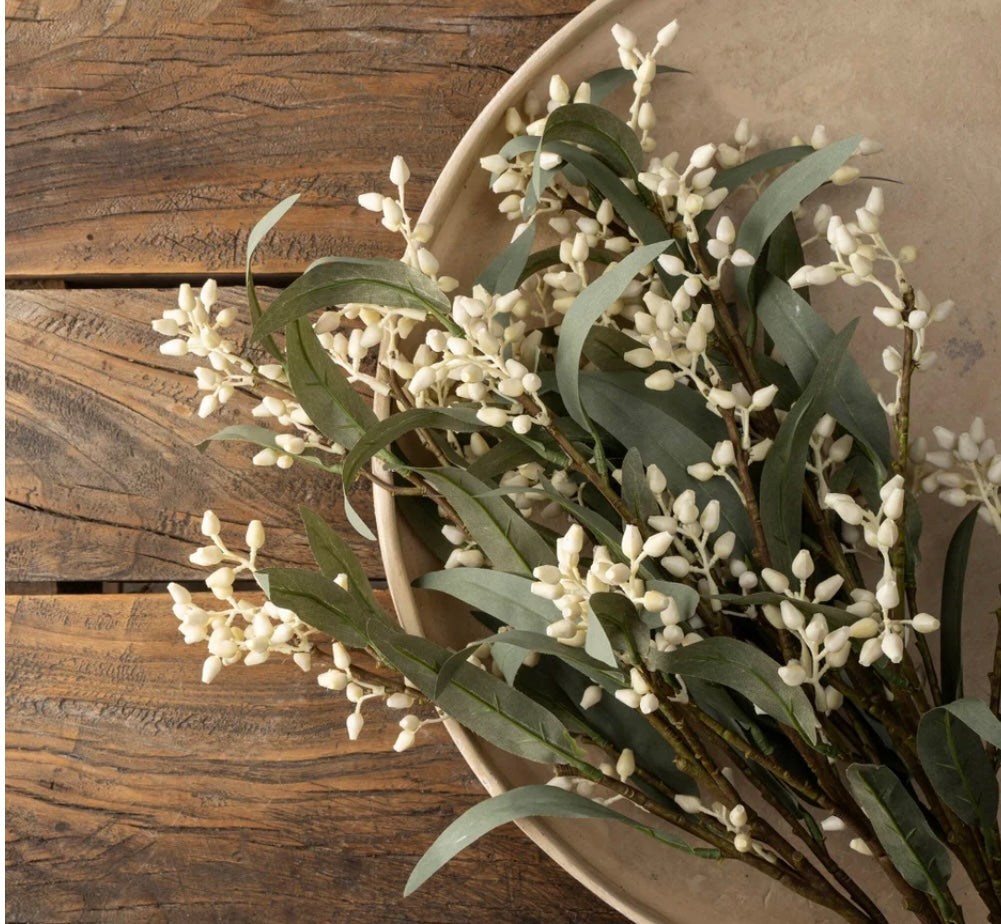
(686, 522)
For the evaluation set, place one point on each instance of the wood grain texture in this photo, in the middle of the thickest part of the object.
(103, 478)
(149, 137)
(135, 793)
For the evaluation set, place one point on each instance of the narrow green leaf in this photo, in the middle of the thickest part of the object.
(526, 802)
(976, 714)
(507, 597)
(605, 134)
(320, 603)
(953, 584)
(635, 492)
(324, 392)
(257, 234)
(340, 281)
(734, 177)
(748, 670)
(478, 700)
(507, 453)
(586, 308)
(903, 832)
(606, 82)
(383, 433)
(505, 536)
(263, 437)
(664, 441)
(783, 474)
(504, 273)
(622, 629)
(783, 196)
(334, 556)
(803, 337)
(957, 765)
(628, 206)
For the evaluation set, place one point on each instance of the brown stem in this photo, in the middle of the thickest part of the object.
(747, 490)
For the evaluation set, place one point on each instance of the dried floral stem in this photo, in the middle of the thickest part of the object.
(747, 491)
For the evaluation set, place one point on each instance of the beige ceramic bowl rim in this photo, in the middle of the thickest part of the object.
(464, 161)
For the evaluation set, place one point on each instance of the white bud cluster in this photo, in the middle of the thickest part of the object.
(644, 68)
(966, 468)
(735, 820)
(242, 631)
(195, 329)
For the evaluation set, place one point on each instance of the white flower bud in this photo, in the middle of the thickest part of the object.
(701, 471)
(399, 172)
(591, 696)
(210, 524)
(866, 627)
(702, 156)
(776, 581)
(871, 651)
(893, 647)
(206, 557)
(666, 35)
(742, 257)
(625, 766)
(624, 37)
(828, 589)
(802, 565)
(887, 594)
(649, 703)
(792, 618)
(628, 698)
(355, 723)
(371, 201)
(403, 740)
(925, 622)
(210, 668)
(492, 416)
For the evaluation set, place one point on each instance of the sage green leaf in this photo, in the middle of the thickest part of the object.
(628, 206)
(784, 472)
(507, 453)
(504, 535)
(324, 392)
(686, 597)
(636, 492)
(550, 256)
(334, 556)
(504, 272)
(750, 672)
(958, 767)
(322, 604)
(976, 714)
(257, 234)
(734, 177)
(783, 196)
(619, 630)
(261, 436)
(340, 281)
(383, 433)
(953, 584)
(595, 669)
(605, 347)
(526, 802)
(605, 134)
(836, 616)
(903, 832)
(507, 597)
(803, 337)
(665, 441)
(606, 82)
(586, 308)
(476, 699)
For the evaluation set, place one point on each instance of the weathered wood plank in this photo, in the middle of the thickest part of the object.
(149, 136)
(135, 793)
(103, 478)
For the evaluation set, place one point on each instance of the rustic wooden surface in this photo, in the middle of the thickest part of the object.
(144, 141)
(135, 793)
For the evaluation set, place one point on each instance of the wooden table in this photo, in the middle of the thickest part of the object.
(144, 140)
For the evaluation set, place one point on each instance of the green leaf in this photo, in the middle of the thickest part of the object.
(590, 126)
(505, 272)
(334, 556)
(783, 196)
(504, 535)
(595, 669)
(620, 629)
(903, 832)
(836, 616)
(635, 492)
(748, 670)
(976, 714)
(958, 767)
(604, 349)
(664, 441)
(478, 700)
(382, 433)
(507, 453)
(628, 206)
(257, 234)
(525, 802)
(606, 82)
(733, 177)
(322, 604)
(507, 597)
(372, 282)
(260, 436)
(803, 337)
(783, 474)
(953, 584)
(324, 392)
(586, 308)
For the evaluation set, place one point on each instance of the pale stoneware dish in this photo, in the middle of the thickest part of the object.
(930, 90)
